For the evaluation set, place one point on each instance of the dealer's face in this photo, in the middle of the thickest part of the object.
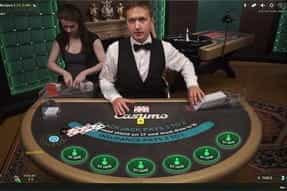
(70, 27)
(139, 23)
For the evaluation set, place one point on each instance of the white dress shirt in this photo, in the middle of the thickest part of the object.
(174, 60)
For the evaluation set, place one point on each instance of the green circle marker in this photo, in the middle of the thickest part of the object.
(140, 167)
(176, 161)
(104, 164)
(206, 152)
(74, 155)
(176, 164)
(206, 155)
(74, 152)
(104, 161)
(228, 140)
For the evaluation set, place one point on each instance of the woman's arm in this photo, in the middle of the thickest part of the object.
(52, 60)
(53, 66)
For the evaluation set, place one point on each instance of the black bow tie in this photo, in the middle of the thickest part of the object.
(146, 46)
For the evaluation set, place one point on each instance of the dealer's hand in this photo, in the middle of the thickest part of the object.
(120, 105)
(195, 95)
(68, 79)
(79, 78)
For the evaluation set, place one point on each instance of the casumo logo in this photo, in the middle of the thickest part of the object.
(141, 109)
(142, 115)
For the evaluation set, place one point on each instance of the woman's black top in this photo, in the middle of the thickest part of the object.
(75, 63)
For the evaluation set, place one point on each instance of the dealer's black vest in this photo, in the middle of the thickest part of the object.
(129, 83)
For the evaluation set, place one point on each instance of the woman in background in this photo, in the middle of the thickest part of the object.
(81, 50)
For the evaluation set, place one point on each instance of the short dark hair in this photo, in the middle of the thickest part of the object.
(143, 4)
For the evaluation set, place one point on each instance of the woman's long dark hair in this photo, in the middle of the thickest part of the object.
(72, 13)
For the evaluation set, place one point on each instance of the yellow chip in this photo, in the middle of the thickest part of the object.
(140, 121)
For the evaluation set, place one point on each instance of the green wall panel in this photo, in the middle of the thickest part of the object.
(280, 42)
(159, 9)
(26, 36)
